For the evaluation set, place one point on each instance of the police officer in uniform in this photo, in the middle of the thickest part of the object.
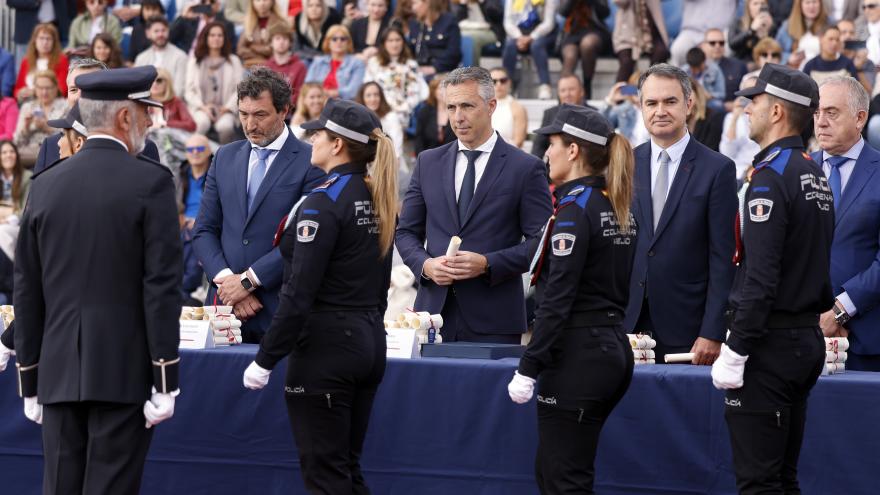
(97, 276)
(579, 354)
(774, 350)
(337, 251)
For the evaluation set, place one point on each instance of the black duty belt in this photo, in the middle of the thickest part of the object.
(779, 319)
(594, 318)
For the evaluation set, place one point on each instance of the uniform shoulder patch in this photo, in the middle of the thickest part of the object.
(776, 160)
(333, 186)
(562, 244)
(759, 209)
(306, 230)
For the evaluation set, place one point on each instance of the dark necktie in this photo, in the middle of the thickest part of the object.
(834, 177)
(466, 193)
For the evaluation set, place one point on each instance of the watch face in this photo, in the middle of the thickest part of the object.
(246, 283)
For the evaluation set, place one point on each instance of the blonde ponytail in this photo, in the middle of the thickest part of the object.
(619, 178)
(383, 187)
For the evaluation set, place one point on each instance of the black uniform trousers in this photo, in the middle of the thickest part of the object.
(94, 448)
(332, 378)
(575, 397)
(766, 417)
(456, 329)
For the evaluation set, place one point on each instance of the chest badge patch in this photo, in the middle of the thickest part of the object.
(306, 230)
(563, 244)
(759, 209)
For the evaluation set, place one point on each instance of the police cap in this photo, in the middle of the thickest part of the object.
(580, 122)
(786, 83)
(119, 84)
(346, 118)
(70, 121)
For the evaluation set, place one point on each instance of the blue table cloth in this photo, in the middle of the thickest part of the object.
(442, 426)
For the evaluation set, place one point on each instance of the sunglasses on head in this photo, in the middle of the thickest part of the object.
(500, 80)
(195, 149)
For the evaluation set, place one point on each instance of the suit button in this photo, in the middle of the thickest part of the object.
(245, 242)
(641, 283)
(650, 253)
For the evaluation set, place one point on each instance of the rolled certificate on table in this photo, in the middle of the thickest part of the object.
(833, 368)
(684, 357)
(639, 341)
(835, 356)
(225, 324)
(454, 244)
(424, 322)
(643, 354)
(836, 344)
(644, 361)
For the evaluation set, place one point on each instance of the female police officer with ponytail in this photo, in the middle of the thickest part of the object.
(579, 354)
(337, 250)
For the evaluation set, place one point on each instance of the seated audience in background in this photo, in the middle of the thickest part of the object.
(164, 55)
(191, 179)
(482, 21)
(139, 40)
(8, 117)
(732, 69)
(7, 73)
(254, 45)
(284, 61)
(830, 63)
(16, 181)
(509, 118)
(585, 37)
(799, 34)
(370, 95)
(530, 26)
(398, 74)
(703, 122)
(623, 111)
(755, 24)
(105, 49)
(639, 28)
(707, 74)
(569, 90)
(190, 22)
(235, 11)
(735, 141)
(403, 13)
(311, 27)
(173, 113)
(365, 31)
(766, 50)
(432, 121)
(308, 107)
(352, 10)
(857, 51)
(33, 119)
(339, 71)
(843, 10)
(697, 17)
(43, 53)
(212, 75)
(434, 37)
(868, 29)
(96, 19)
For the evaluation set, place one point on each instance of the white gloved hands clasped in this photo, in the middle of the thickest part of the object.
(159, 408)
(5, 354)
(727, 372)
(521, 388)
(256, 377)
(33, 410)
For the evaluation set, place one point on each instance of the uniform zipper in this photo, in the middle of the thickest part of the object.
(778, 419)
(330, 404)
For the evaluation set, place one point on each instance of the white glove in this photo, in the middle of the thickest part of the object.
(727, 372)
(33, 410)
(521, 388)
(5, 354)
(256, 377)
(159, 408)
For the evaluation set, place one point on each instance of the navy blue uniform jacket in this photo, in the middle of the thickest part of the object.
(512, 201)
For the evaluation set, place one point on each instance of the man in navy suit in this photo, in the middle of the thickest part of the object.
(685, 206)
(495, 198)
(251, 186)
(852, 167)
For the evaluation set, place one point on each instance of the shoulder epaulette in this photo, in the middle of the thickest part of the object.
(333, 186)
(579, 195)
(777, 159)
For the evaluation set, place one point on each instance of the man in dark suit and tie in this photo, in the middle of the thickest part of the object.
(685, 206)
(489, 194)
(852, 167)
(251, 187)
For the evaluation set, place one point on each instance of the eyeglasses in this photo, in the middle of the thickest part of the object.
(160, 80)
(338, 38)
(195, 149)
(501, 80)
(770, 55)
(870, 6)
(716, 43)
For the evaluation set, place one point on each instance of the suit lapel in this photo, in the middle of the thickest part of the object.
(243, 157)
(643, 184)
(493, 169)
(448, 164)
(280, 164)
(679, 184)
(864, 169)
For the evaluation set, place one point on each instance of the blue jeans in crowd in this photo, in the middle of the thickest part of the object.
(540, 51)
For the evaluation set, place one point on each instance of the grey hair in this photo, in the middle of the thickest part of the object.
(479, 75)
(86, 64)
(669, 72)
(98, 114)
(856, 97)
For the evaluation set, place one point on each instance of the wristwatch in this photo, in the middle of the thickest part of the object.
(840, 314)
(246, 282)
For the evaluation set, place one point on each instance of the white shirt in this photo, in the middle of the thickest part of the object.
(107, 136)
(675, 152)
(46, 13)
(847, 168)
(479, 164)
(275, 146)
(873, 42)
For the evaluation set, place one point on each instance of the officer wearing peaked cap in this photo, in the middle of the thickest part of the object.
(97, 277)
(579, 355)
(774, 351)
(336, 248)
